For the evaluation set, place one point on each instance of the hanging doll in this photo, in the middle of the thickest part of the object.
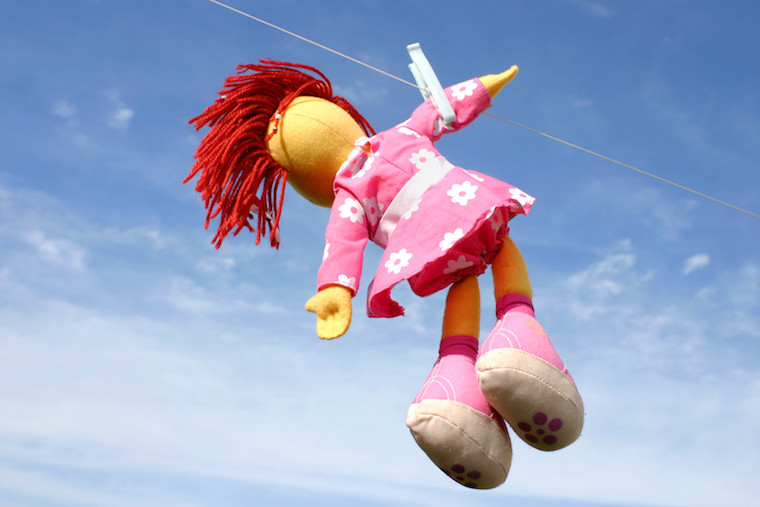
(439, 225)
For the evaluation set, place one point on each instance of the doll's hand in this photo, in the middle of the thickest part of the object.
(495, 82)
(333, 308)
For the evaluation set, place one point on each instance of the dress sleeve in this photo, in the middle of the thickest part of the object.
(469, 99)
(345, 238)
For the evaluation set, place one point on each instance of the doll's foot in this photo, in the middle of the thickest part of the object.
(523, 378)
(454, 424)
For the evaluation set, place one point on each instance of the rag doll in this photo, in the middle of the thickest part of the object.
(440, 227)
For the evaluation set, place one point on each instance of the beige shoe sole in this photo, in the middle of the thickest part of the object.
(538, 400)
(466, 444)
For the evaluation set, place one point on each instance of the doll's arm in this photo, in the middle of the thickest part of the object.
(469, 99)
(333, 308)
(340, 272)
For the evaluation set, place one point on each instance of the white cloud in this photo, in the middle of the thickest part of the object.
(216, 263)
(706, 293)
(582, 103)
(136, 235)
(649, 364)
(71, 129)
(195, 396)
(594, 8)
(174, 398)
(121, 116)
(360, 92)
(695, 262)
(600, 278)
(599, 289)
(60, 252)
(64, 109)
(700, 129)
(648, 204)
(217, 386)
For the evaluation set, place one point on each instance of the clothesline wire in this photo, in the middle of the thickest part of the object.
(322, 46)
(581, 148)
(388, 74)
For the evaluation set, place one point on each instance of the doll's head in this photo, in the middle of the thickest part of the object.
(272, 125)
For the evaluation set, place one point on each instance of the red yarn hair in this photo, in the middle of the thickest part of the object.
(239, 177)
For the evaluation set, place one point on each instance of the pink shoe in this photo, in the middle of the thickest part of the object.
(454, 424)
(522, 376)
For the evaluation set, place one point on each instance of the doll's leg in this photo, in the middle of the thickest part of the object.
(519, 370)
(450, 419)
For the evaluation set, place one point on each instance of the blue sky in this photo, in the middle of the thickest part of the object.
(140, 366)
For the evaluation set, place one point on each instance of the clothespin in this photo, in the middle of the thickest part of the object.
(428, 82)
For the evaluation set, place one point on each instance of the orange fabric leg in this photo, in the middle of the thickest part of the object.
(510, 274)
(462, 314)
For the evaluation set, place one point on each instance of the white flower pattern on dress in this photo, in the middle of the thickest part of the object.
(407, 131)
(354, 161)
(352, 210)
(450, 238)
(422, 158)
(462, 194)
(496, 219)
(326, 253)
(373, 209)
(456, 265)
(521, 197)
(474, 176)
(346, 280)
(412, 209)
(366, 166)
(463, 90)
(397, 261)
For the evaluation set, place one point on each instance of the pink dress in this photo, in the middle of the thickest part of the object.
(437, 222)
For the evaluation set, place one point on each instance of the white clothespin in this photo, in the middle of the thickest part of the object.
(428, 82)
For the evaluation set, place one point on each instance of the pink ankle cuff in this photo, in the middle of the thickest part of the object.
(514, 302)
(464, 345)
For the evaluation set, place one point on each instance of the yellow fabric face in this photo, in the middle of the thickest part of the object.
(314, 137)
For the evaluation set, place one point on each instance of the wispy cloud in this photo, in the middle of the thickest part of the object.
(594, 8)
(139, 366)
(71, 129)
(361, 92)
(190, 393)
(121, 115)
(64, 109)
(668, 218)
(60, 252)
(647, 361)
(701, 130)
(696, 262)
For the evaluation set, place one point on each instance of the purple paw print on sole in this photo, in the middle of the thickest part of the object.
(539, 431)
(460, 474)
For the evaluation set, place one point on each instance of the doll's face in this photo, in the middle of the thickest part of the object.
(314, 137)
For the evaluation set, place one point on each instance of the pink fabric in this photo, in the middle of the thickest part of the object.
(514, 303)
(517, 328)
(455, 229)
(454, 378)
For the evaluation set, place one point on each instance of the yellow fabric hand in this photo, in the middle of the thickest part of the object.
(495, 82)
(333, 308)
